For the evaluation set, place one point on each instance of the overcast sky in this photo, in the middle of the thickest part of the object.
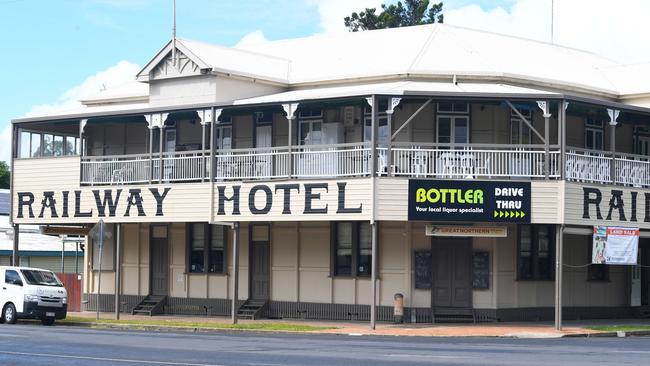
(58, 51)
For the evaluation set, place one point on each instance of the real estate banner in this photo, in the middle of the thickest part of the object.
(468, 201)
(615, 245)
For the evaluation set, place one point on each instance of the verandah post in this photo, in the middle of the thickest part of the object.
(235, 272)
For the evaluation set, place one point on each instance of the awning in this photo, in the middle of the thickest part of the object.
(402, 88)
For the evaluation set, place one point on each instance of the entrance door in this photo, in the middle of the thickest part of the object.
(264, 163)
(644, 255)
(452, 272)
(159, 260)
(260, 253)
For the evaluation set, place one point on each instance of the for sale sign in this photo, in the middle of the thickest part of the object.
(615, 245)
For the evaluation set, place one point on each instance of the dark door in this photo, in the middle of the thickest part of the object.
(159, 260)
(260, 253)
(452, 272)
(644, 254)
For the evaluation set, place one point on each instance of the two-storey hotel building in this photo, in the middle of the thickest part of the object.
(317, 178)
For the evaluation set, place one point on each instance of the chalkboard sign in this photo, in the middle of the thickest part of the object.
(423, 269)
(481, 270)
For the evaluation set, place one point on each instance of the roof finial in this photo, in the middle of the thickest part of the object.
(174, 33)
(552, 16)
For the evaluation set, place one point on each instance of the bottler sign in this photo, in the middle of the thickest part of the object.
(469, 201)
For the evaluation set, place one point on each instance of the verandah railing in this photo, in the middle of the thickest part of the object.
(470, 161)
(350, 160)
(592, 166)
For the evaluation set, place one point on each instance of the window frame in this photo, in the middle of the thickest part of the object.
(536, 274)
(207, 249)
(516, 120)
(41, 141)
(356, 249)
(595, 127)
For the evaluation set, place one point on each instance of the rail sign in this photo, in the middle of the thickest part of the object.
(468, 201)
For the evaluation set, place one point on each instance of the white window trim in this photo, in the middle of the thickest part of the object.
(453, 118)
(453, 112)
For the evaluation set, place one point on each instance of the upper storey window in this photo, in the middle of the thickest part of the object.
(33, 144)
(594, 134)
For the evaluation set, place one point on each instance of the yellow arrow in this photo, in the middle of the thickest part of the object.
(496, 213)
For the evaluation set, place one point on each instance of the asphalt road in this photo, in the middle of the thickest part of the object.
(31, 344)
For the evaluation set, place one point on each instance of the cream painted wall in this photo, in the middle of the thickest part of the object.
(300, 260)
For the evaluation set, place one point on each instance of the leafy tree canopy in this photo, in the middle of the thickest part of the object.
(5, 175)
(411, 12)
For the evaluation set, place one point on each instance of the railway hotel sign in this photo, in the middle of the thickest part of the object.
(469, 201)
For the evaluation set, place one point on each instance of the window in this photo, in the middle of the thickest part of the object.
(519, 130)
(453, 130)
(35, 145)
(351, 249)
(453, 107)
(224, 137)
(311, 113)
(12, 277)
(262, 118)
(382, 130)
(594, 134)
(311, 132)
(207, 247)
(536, 252)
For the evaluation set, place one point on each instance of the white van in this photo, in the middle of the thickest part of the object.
(31, 293)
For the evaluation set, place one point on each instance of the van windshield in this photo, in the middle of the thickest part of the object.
(43, 278)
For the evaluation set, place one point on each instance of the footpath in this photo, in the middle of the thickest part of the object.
(167, 323)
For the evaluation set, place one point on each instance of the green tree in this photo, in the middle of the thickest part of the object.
(411, 12)
(5, 175)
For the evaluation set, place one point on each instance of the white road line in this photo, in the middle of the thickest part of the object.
(122, 360)
(405, 355)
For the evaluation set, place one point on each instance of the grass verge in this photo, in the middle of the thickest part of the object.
(620, 328)
(282, 327)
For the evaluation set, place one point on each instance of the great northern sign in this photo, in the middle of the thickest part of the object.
(469, 201)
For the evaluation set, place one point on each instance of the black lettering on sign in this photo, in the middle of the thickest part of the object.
(633, 215)
(616, 202)
(287, 188)
(107, 200)
(65, 203)
(310, 196)
(135, 199)
(77, 206)
(341, 207)
(268, 200)
(159, 199)
(48, 202)
(25, 199)
(588, 200)
(234, 198)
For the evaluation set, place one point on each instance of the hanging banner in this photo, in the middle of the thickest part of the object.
(469, 201)
(615, 245)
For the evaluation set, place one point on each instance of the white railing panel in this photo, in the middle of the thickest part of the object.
(343, 160)
(470, 163)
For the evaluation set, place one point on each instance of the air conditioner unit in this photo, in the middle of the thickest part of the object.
(350, 115)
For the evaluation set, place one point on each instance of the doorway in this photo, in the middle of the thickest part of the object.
(452, 272)
(260, 261)
(159, 260)
(644, 256)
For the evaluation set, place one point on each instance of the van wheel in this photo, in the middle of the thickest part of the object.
(47, 321)
(9, 314)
